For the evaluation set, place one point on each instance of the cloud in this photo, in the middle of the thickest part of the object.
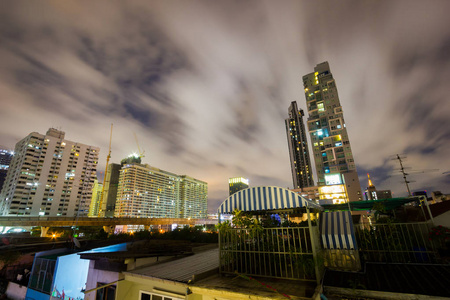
(206, 85)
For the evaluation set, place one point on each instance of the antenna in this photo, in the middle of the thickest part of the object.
(402, 169)
(100, 211)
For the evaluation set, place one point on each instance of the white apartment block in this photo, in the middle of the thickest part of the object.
(193, 198)
(148, 192)
(49, 176)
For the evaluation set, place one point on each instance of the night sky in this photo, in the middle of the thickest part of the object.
(206, 85)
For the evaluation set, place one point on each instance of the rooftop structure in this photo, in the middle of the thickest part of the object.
(236, 184)
(371, 193)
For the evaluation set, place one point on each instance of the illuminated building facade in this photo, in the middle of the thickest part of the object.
(236, 184)
(49, 176)
(371, 192)
(340, 188)
(193, 198)
(298, 148)
(111, 184)
(148, 192)
(5, 160)
(96, 197)
(326, 125)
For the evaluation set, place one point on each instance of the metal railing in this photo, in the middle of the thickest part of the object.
(284, 252)
(395, 243)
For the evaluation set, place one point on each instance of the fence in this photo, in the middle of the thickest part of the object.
(285, 252)
(395, 243)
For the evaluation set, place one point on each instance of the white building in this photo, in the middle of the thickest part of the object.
(148, 192)
(49, 176)
(330, 142)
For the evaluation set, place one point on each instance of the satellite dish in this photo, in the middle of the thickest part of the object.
(76, 242)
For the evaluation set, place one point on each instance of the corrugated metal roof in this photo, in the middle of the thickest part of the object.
(182, 269)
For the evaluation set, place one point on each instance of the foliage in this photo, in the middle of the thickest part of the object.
(271, 222)
(193, 234)
(288, 223)
(8, 257)
(242, 219)
(224, 226)
(440, 235)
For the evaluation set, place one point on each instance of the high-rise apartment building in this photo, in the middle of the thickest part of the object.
(193, 198)
(327, 128)
(49, 176)
(5, 159)
(298, 148)
(148, 192)
(236, 184)
(110, 183)
(96, 198)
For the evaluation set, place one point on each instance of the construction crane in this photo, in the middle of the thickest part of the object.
(100, 211)
(141, 154)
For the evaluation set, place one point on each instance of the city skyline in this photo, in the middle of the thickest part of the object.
(205, 86)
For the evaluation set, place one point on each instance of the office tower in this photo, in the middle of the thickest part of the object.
(110, 183)
(49, 176)
(5, 160)
(298, 148)
(326, 125)
(193, 198)
(236, 184)
(149, 192)
(96, 198)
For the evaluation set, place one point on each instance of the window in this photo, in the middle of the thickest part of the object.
(153, 296)
(105, 293)
(42, 275)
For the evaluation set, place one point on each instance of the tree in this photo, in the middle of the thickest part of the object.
(7, 258)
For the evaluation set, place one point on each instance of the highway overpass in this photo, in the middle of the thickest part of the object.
(85, 221)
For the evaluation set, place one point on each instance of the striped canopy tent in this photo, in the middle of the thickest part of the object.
(265, 198)
(337, 230)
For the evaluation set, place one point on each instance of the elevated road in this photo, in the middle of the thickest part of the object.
(85, 221)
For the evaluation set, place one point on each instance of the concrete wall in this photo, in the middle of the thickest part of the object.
(95, 276)
(443, 219)
(15, 291)
(129, 289)
(35, 295)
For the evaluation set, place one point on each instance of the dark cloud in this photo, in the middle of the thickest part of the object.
(206, 85)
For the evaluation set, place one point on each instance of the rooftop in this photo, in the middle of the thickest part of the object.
(418, 279)
(184, 270)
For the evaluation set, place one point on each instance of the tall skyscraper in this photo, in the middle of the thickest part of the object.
(326, 125)
(148, 192)
(5, 160)
(298, 148)
(236, 184)
(110, 183)
(49, 176)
